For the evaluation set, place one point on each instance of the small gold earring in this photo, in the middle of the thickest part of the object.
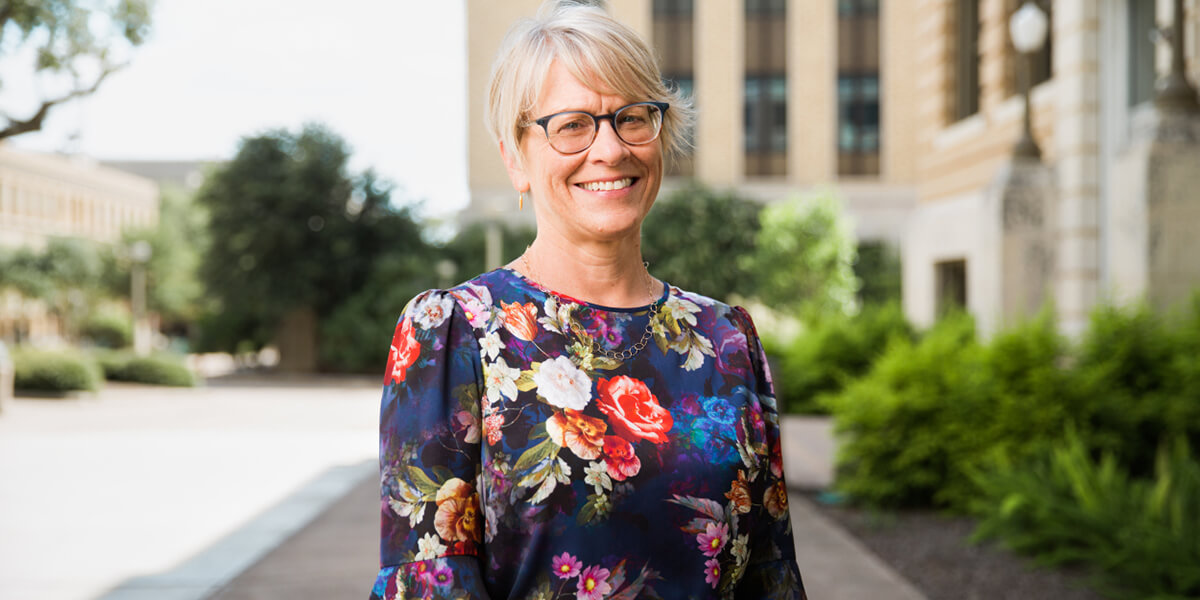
(521, 201)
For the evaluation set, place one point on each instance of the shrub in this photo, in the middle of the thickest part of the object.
(152, 370)
(1141, 536)
(54, 372)
(911, 427)
(824, 358)
(109, 330)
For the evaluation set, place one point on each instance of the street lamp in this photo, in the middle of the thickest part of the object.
(139, 253)
(1028, 28)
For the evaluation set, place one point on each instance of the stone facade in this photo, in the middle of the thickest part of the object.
(879, 204)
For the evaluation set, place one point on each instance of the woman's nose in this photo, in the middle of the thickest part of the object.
(608, 146)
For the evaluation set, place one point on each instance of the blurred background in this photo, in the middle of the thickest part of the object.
(973, 223)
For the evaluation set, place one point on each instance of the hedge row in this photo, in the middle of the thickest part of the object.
(62, 372)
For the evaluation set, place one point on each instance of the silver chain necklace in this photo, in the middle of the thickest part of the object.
(641, 344)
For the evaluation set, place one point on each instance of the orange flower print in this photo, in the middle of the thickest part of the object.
(404, 352)
(619, 458)
(776, 500)
(634, 412)
(572, 429)
(457, 516)
(492, 424)
(520, 319)
(739, 493)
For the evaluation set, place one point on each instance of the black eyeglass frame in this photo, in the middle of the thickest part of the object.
(544, 122)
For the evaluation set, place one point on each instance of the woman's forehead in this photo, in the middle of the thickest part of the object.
(562, 90)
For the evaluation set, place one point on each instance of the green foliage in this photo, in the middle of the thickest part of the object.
(912, 427)
(163, 370)
(468, 249)
(290, 228)
(72, 39)
(832, 352)
(1140, 536)
(355, 337)
(109, 329)
(54, 372)
(804, 257)
(66, 275)
(700, 240)
(878, 269)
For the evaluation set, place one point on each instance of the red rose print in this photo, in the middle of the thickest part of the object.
(404, 352)
(633, 411)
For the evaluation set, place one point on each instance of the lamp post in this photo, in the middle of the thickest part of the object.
(139, 253)
(1028, 28)
(1173, 93)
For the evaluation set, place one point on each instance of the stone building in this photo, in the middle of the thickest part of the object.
(1110, 210)
(46, 196)
(792, 95)
(910, 109)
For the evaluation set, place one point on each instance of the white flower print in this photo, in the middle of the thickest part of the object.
(433, 310)
(596, 475)
(501, 380)
(741, 550)
(562, 384)
(681, 309)
(429, 547)
(491, 345)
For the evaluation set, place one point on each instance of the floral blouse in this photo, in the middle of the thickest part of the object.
(522, 458)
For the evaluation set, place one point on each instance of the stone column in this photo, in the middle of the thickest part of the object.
(1077, 142)
(1154, 218)
(720, 60)
(1016, 269)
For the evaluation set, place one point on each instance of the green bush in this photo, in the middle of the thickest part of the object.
(54, 372)
(911, 429)
(109, 330)
(834, 351)
(1141, 536)
(153, 370)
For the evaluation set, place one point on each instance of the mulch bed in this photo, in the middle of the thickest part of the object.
(933, 552)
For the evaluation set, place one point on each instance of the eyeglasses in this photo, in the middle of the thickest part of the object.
(574, 131)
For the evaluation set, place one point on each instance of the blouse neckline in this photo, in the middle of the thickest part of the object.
(666, 292)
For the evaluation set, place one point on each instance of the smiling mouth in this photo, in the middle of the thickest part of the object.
(607, 186)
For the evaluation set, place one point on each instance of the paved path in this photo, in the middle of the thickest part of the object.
(262, 489)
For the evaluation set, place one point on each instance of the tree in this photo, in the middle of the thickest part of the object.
(701, 240)
(75, 43)
(805, 257)
(290, 229)
(66, 275)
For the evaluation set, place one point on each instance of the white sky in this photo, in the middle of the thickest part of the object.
(387, 75)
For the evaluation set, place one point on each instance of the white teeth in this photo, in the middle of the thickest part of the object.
(605, 186)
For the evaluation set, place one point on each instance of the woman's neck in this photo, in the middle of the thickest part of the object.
(609, 274)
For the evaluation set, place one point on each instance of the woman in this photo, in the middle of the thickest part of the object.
(569, 426)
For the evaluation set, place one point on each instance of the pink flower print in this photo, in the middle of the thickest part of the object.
(492, 425)
(712, 572)
(593, 584)
(566, 566)
(441, 576)
(712, 539)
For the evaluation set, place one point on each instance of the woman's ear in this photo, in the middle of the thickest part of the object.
(516, 172)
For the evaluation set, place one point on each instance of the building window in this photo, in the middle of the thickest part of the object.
(858, 87)
(674, 31)
(966, 60)
(1141, 51)
(765, 88)
(950, 277)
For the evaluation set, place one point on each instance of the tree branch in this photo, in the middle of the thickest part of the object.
(34, 123)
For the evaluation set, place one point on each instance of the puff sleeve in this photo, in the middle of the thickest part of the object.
(429, 456)
(771, 572)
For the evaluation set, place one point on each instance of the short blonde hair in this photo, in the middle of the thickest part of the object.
(594, 48)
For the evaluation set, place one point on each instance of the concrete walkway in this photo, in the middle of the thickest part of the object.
(263, 489)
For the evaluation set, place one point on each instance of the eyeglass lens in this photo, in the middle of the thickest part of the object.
(635, 124)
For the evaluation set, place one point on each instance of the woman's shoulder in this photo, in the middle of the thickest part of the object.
(711, 308)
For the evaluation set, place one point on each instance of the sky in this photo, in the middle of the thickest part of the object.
(386, 75)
